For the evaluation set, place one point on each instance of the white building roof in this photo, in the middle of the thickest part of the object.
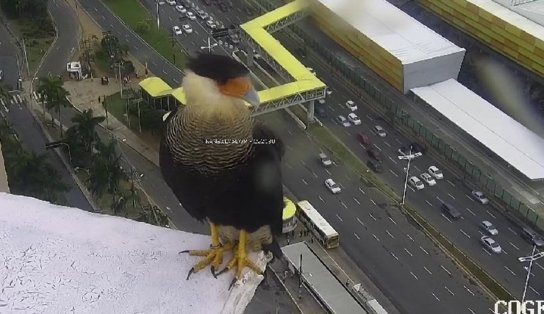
(530, 20)
(58, 259)
(392, 29)
(513, 142)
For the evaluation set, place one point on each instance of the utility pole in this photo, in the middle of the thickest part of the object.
(531, 258)
(26, 56)
(128, 117)
(209, 46)
(139, 116)
(408, 157)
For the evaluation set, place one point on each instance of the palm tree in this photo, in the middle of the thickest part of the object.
(4, 93)
(53, 94)
(85, 126)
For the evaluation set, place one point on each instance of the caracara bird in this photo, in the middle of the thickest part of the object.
(222, 165)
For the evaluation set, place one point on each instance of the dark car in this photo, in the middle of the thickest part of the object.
(449, 210)
(320, 112)
(375, 165)
(223, 7)
(364, 139)
(532, 237)
(373, 153)
(416, 148)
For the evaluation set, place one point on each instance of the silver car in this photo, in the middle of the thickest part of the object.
(489, 228)
(491, 244)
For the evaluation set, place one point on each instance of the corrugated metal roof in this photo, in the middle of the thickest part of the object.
(392, 29)
(509, 139)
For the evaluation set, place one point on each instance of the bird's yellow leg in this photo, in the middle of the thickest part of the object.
(240, 259)
(213, 256)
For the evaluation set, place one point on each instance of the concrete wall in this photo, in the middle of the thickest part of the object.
(3, 176)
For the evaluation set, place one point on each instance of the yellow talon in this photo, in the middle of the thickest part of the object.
(240, 259)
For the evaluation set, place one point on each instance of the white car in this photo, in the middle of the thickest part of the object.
(191, 15)
(328, 91)
(488, 227)
(171, 2)
(436, 173)
(343, 121)
(181, 9)
(480, 197)
(491, 244)
(332, 186)
(187, 28)
(353, 118)
(176, 30)
(321, 101)
(311, 70)
(427, 179)
(416, 183)
(379, 130)
(211, 24)
(351, 105)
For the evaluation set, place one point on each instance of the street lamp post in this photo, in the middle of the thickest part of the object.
(533, 257)
(209, 46)
(408, 157)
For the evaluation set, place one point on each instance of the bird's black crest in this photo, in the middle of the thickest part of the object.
(217, 67)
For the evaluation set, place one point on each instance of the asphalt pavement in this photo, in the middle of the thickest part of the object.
(8, 59)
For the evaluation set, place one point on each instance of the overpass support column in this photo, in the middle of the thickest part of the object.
(311, 111)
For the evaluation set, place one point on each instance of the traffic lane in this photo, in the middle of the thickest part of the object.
(8, 59)
(236, 16)
(32, 137)
(68, 32)
(338, 214)
(137, 46)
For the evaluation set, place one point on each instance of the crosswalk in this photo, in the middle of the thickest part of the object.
(12, 100)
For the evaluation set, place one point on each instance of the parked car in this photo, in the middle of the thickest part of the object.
(480, 197)
(353, 118)
(364, 139)
(375, 165)
(374, 154)
(187, 28)
(351, 105)
(451, 211)
(321, 101)
(488, 228)
(491, 244)
(190, 15)
(532, 237)
(311, 70)
(176, 30)
(171, 2)
(328, 91)
(343, 121)
(425, 177)
(181, 9)
(211, 24)
(332, 186)
(416, 183)
(379, 130)
(325, 160)
(435, 172)
(201, 14)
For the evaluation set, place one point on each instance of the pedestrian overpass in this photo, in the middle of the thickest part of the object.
(257, 36)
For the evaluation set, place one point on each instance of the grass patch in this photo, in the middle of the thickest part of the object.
(339, 150)
(37, 43)
(116, 106)
(143, 23)
(101, 60)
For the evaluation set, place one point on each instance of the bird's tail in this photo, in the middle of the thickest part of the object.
(273, 247)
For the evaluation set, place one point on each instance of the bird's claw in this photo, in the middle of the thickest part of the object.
(232, 283)
(190, 272)
(212, 269)
(184, 251)
(224, 270)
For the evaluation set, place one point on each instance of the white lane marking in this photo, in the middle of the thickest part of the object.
(504, 251)
(304, 181)
(440, 200)
(341, 185)
(328, 172)
(470, 211)
(319, 196)
(428, 203)
(339, 218)
(491, 214)
(393, 172)
(303, 163)
(389, 233)
(372, 216)
(392, 220)
(343, 205)
(356, 201)
(375, 237)
(315, 175)
(511, 230)
(409, 237)
(434, 295)
(444, 268)
(463, 232)
(355, 234)
(398, 141)
(387, 144)
(481, 233)
(469, 291)
(359, 220)
(424, 250)
(378, 147)
(393, 254)
(362, 191)
(449, 290)
(415, 167)
(409, 253)
(411, 188)
(451, 196)
(508, 269)
(534, 290)
(451, 183)
(393, 160)
(512, 244)
(414, 275)
(469, 197)
(447, 218)
(373, 202)
(537, 264)
(486, 251)
(289, 132)
(427, 270)
(369, 117)
(471, 311)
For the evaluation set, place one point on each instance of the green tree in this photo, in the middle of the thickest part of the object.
(53, 94)
(85, 124)
(4, 93)
(105, 171)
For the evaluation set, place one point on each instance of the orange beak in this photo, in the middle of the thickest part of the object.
(242, 88)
